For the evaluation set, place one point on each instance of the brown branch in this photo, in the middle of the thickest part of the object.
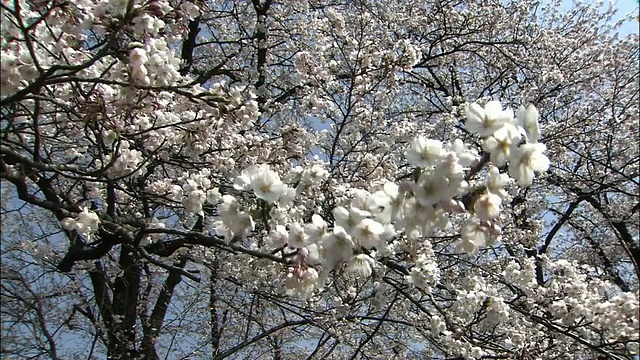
(196, 238)
(125, 297)
(189, 45)
(259, 337)
(558, 225)
(160, 310)
(110, 235)
(101, 294)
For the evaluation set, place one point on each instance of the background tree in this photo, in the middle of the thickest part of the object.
(318, 179)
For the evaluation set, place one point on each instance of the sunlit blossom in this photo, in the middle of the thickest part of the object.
(424, 152)
(368, 232)
(500, 144)
(361, 265)
(528, 119)
(486, 121)
(527, 159)
(266, 184)
(487, 207)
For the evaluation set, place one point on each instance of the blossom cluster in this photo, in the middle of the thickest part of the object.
(502, 136)
(307, 146)
(137, 60)
(368, 224)
(86, 223)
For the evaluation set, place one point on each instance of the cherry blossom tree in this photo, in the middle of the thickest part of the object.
(318, 179)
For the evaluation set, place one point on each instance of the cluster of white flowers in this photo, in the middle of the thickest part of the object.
(366, 220)
(20, 63)
(147, 24)
(425, 272)
(495, 182)
(356, 217)
(163, 64)
(508, 140)
(301, 283)
(476, 234)
(520, 273)
(264, 182)
(309, 176)
(137, 60)
(14, 70)
(440, 180)
(361, 265)
(572, 297)
(128, 161)
(502, 135)
(234, 224)
(86, 223)
(197, 190)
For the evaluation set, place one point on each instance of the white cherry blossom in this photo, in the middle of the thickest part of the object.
(368, 232)
(486, 121)
(361, 265)
(424, 152)
(527, 159)
(528, 119)
(266, 184)
(501, 143)
(297, 237)
(495, 182)
(487, 207)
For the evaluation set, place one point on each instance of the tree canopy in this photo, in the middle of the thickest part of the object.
(318, 179)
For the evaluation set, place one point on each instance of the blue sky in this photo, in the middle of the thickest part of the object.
(625, 7)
